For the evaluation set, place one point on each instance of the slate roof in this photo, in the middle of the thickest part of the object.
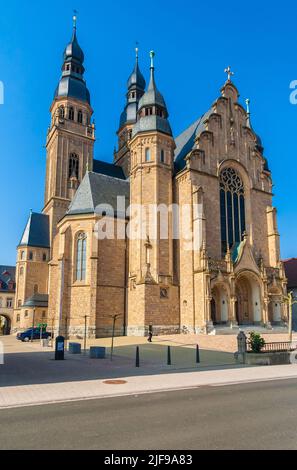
(37, 300)
(7, 274)
(99, 189)
(36, 232)
(185, 142)
(108, 169)
(291, 272)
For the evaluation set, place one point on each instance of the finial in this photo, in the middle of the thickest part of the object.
(74, 18)
(229, 73)
(247, 102)
(136, 49)
(152, 55)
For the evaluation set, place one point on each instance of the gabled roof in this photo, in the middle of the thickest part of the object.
(291, 272)
(36, 232)
(7, 274)
(108, 169)
(99, 189)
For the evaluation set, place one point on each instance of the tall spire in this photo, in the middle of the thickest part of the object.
(72, 83)
(135, 90)
(259, 144)
(152, 110)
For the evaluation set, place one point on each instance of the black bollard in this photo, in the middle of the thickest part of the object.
(197, 354)
(169, 356)
(137, 363)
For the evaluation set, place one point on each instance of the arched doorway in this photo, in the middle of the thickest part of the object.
(5, 325)
(248, 294)
(219, 305)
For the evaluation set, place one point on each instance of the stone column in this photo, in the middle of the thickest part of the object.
(266, 313)
(233, 319)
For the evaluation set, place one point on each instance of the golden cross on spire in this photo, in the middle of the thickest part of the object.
(229, 73)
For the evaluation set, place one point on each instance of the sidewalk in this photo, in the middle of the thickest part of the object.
(30, 376)
(40, 394)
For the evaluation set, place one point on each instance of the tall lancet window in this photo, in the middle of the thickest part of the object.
(232, 208)
(81, 257)
(73, 165)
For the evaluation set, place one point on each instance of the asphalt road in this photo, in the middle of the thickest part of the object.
(251, 416)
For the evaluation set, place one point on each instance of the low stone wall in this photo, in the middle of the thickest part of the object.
(267, 359)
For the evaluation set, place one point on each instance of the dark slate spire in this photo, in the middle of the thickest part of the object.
(72, 83)
(36, 232)
(136, 79)
(152, 110)
(136, 87)
(249, 125)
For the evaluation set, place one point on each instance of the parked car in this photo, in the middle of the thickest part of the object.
(27, 335)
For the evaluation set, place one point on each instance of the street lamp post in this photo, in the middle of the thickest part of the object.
(114, 317)
(33, 322)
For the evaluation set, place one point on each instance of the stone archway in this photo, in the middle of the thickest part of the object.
(248, 294)
(5, 325)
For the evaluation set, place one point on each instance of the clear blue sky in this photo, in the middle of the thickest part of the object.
(194, 41)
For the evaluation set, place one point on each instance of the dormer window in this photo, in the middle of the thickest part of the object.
(80, 117)
(71, 114)
(148, 111)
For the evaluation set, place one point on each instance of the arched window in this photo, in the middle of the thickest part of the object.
(61, 112)
(44, 257)
(162, 156)
(21, 271)
(147, 154)
(232, 204)
(31, 255)
(35, 288)
(80, 117)
(71, 114)
(73, 165)
(81, 257)
(22, 255)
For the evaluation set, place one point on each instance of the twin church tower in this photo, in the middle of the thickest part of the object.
(68, 278)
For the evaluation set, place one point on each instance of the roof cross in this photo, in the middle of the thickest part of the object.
(229, 72)
(74, 18)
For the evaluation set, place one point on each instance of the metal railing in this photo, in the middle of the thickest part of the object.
(283, 346)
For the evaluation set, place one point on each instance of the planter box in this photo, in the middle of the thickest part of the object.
(74, 348)
(97, 352)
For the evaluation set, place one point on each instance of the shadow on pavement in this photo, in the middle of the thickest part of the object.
(37, 367)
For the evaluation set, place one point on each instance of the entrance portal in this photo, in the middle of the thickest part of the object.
(248, 308)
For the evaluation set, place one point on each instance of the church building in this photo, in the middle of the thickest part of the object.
(70, 278)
